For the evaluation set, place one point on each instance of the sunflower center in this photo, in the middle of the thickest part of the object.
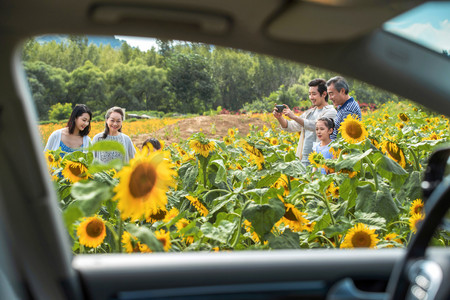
(163, 240)
(354, 130)
(289, 214)
(94, 228)
(142, 180)
(50, 158)
(161, 214)
(361, 240)
(394, 151)
(75, 169)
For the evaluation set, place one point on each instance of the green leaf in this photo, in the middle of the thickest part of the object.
(90, 195)
(264, 216)
(108, 146)
(350, 161)
(222, 233)
(372, 219)
(221, 203)
(221, 175)
(288, 240)
(380, 202)
(347, 191)
(268, 180)
(409, 188)
(293, 168)
(146, 236)
(339, 229)
(70, 215)
(190, 177)
(390, 170)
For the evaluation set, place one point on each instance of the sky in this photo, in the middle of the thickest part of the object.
(143, 44)
(428, 24)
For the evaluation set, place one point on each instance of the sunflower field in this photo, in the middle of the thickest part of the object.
(251, 192)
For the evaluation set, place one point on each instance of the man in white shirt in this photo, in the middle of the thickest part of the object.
(306, 123)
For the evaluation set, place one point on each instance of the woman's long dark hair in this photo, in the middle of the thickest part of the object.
(108, 113)
(77, 111)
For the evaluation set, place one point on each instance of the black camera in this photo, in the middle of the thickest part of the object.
(280, 108)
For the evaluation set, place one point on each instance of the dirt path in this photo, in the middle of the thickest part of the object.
(213, 127)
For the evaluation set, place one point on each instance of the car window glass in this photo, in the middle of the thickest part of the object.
(201, 162)
(428, 25)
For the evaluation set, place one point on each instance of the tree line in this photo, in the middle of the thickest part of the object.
(176, 77)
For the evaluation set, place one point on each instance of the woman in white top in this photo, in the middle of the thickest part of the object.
(73, 137)
(113, 132)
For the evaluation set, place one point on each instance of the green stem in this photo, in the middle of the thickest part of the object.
(215, 190)
(326, 239)
(327, 204)
(119, 244)
(113, 232)
(238, 234)
(374, 173)
(416, 160)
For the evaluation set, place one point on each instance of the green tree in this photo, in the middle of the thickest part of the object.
(191, 83)
(60, 111)
(87, 85)
(47, 85)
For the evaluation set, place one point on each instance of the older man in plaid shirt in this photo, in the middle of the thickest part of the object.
(337, 88)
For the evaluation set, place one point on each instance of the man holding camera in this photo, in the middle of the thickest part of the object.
(306, 123)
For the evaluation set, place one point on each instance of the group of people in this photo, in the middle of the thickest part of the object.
(319, 125)
(74, 137)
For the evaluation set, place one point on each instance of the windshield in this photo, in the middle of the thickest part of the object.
(427, 24)
(181, 147)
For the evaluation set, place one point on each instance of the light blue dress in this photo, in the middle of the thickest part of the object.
(325, 150)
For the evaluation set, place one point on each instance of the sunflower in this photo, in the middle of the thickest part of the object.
(432, 137)
(132, 245)
(414, 221)
(265, 128)
(202, 147)
(74, 171)
(282, 182)
(293, 218)
(394, 152)
(399, 125)
(274, 141)
(335, 152)
(158, 216)
(198, 205)
(352, 130)
(91, 232)
(52, 160)
(416, 207)
(231, 132)
(227, 140)
(374, 142)
(248, 227)
(316, 159)
(255, 154)
(164, 238)
(392, 237)
(404, 117)
(386, 116)
(171, 214)
(182, 223)
(360, 236)
(143, 185)
(333, 191)
(350, 173)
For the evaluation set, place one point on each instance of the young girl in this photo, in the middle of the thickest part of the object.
(324, 128)
(74, 136)
(113, 132)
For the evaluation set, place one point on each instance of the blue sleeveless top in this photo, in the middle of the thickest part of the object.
(65, 149)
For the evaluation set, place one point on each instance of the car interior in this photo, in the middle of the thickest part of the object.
(345, 36)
